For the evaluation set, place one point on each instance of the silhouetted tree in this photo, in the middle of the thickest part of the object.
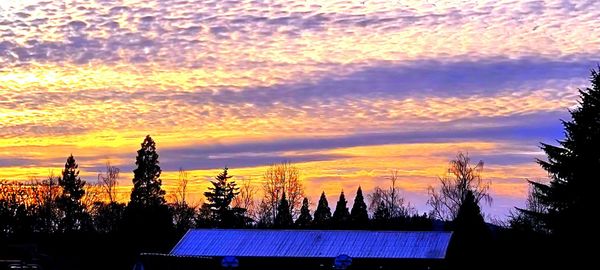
(46, 213)
(109, 181)
(16, 209)
(528, 219)
(204, 217)
(471, 235)
(389, 203)
(322, 215)
(279, 178)
(284, 217)
(341, 215)
(73, 212)
(147, 189)
(184, 215)
(359, 214)
(461, 178)
(219, 198)
(148, 222)
(381, 215)
(108, 216)
(245, 199)
(305, 219)
(573, 166)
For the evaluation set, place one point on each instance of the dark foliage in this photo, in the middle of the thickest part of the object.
(359, 214)
(107, 216)
(305, 219)
(283, 219)
(184, 217)
(471, 235)
(147, 191)
(322, 215)
(574, 168)
(341, 215)
(147, 221)
(219, 198)
(73, 213)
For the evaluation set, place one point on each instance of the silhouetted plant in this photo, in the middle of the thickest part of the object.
(382, 215)
(322, 215)
(305, 219)
(69, 203)
(341, 215)
(471, 238)
(461, 178)
(284, 217)
(148, 222)
(279, 178)
(359, 214)
(219, 198)
(184, 215)
(573, 166)
(389, 204)
(109, 181)
(108, 216)
(147, 190)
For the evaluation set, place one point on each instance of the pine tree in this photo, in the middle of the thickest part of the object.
(341, 215)
(69, 202)
(147, 189)
(305, 218)
(283, 219)
(219, 198)
(323, 213)
(359, 214)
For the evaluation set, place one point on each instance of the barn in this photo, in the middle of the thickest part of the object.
(303, 249)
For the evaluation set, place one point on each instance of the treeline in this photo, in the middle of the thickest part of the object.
(61, 213)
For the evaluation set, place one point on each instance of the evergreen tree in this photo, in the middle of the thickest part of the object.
(471, 234)
(148, 222)
(69, 202)
(305, 218)
(382, 215)
(147, 189)
(359, 214)
(341, 215)
(283, 219)
(219, 198)
(323, 213)
(573, 167)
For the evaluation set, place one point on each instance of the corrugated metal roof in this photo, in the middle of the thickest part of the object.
(313, 243)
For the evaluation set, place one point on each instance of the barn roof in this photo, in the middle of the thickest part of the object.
(313, 243)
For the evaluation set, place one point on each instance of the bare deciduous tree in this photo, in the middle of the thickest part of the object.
(182, 183)
(460, 178)
(93, 194)
(46, 194)
(278, 178)
(109, 181)
(245, 199)
(391, 198)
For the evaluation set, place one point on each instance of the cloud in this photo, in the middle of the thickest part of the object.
(266, 81)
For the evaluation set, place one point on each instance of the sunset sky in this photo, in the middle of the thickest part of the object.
(347, 90)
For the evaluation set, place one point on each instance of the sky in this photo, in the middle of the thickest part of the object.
(346, 90)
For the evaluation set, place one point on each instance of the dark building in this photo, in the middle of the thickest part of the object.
(303, 249)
